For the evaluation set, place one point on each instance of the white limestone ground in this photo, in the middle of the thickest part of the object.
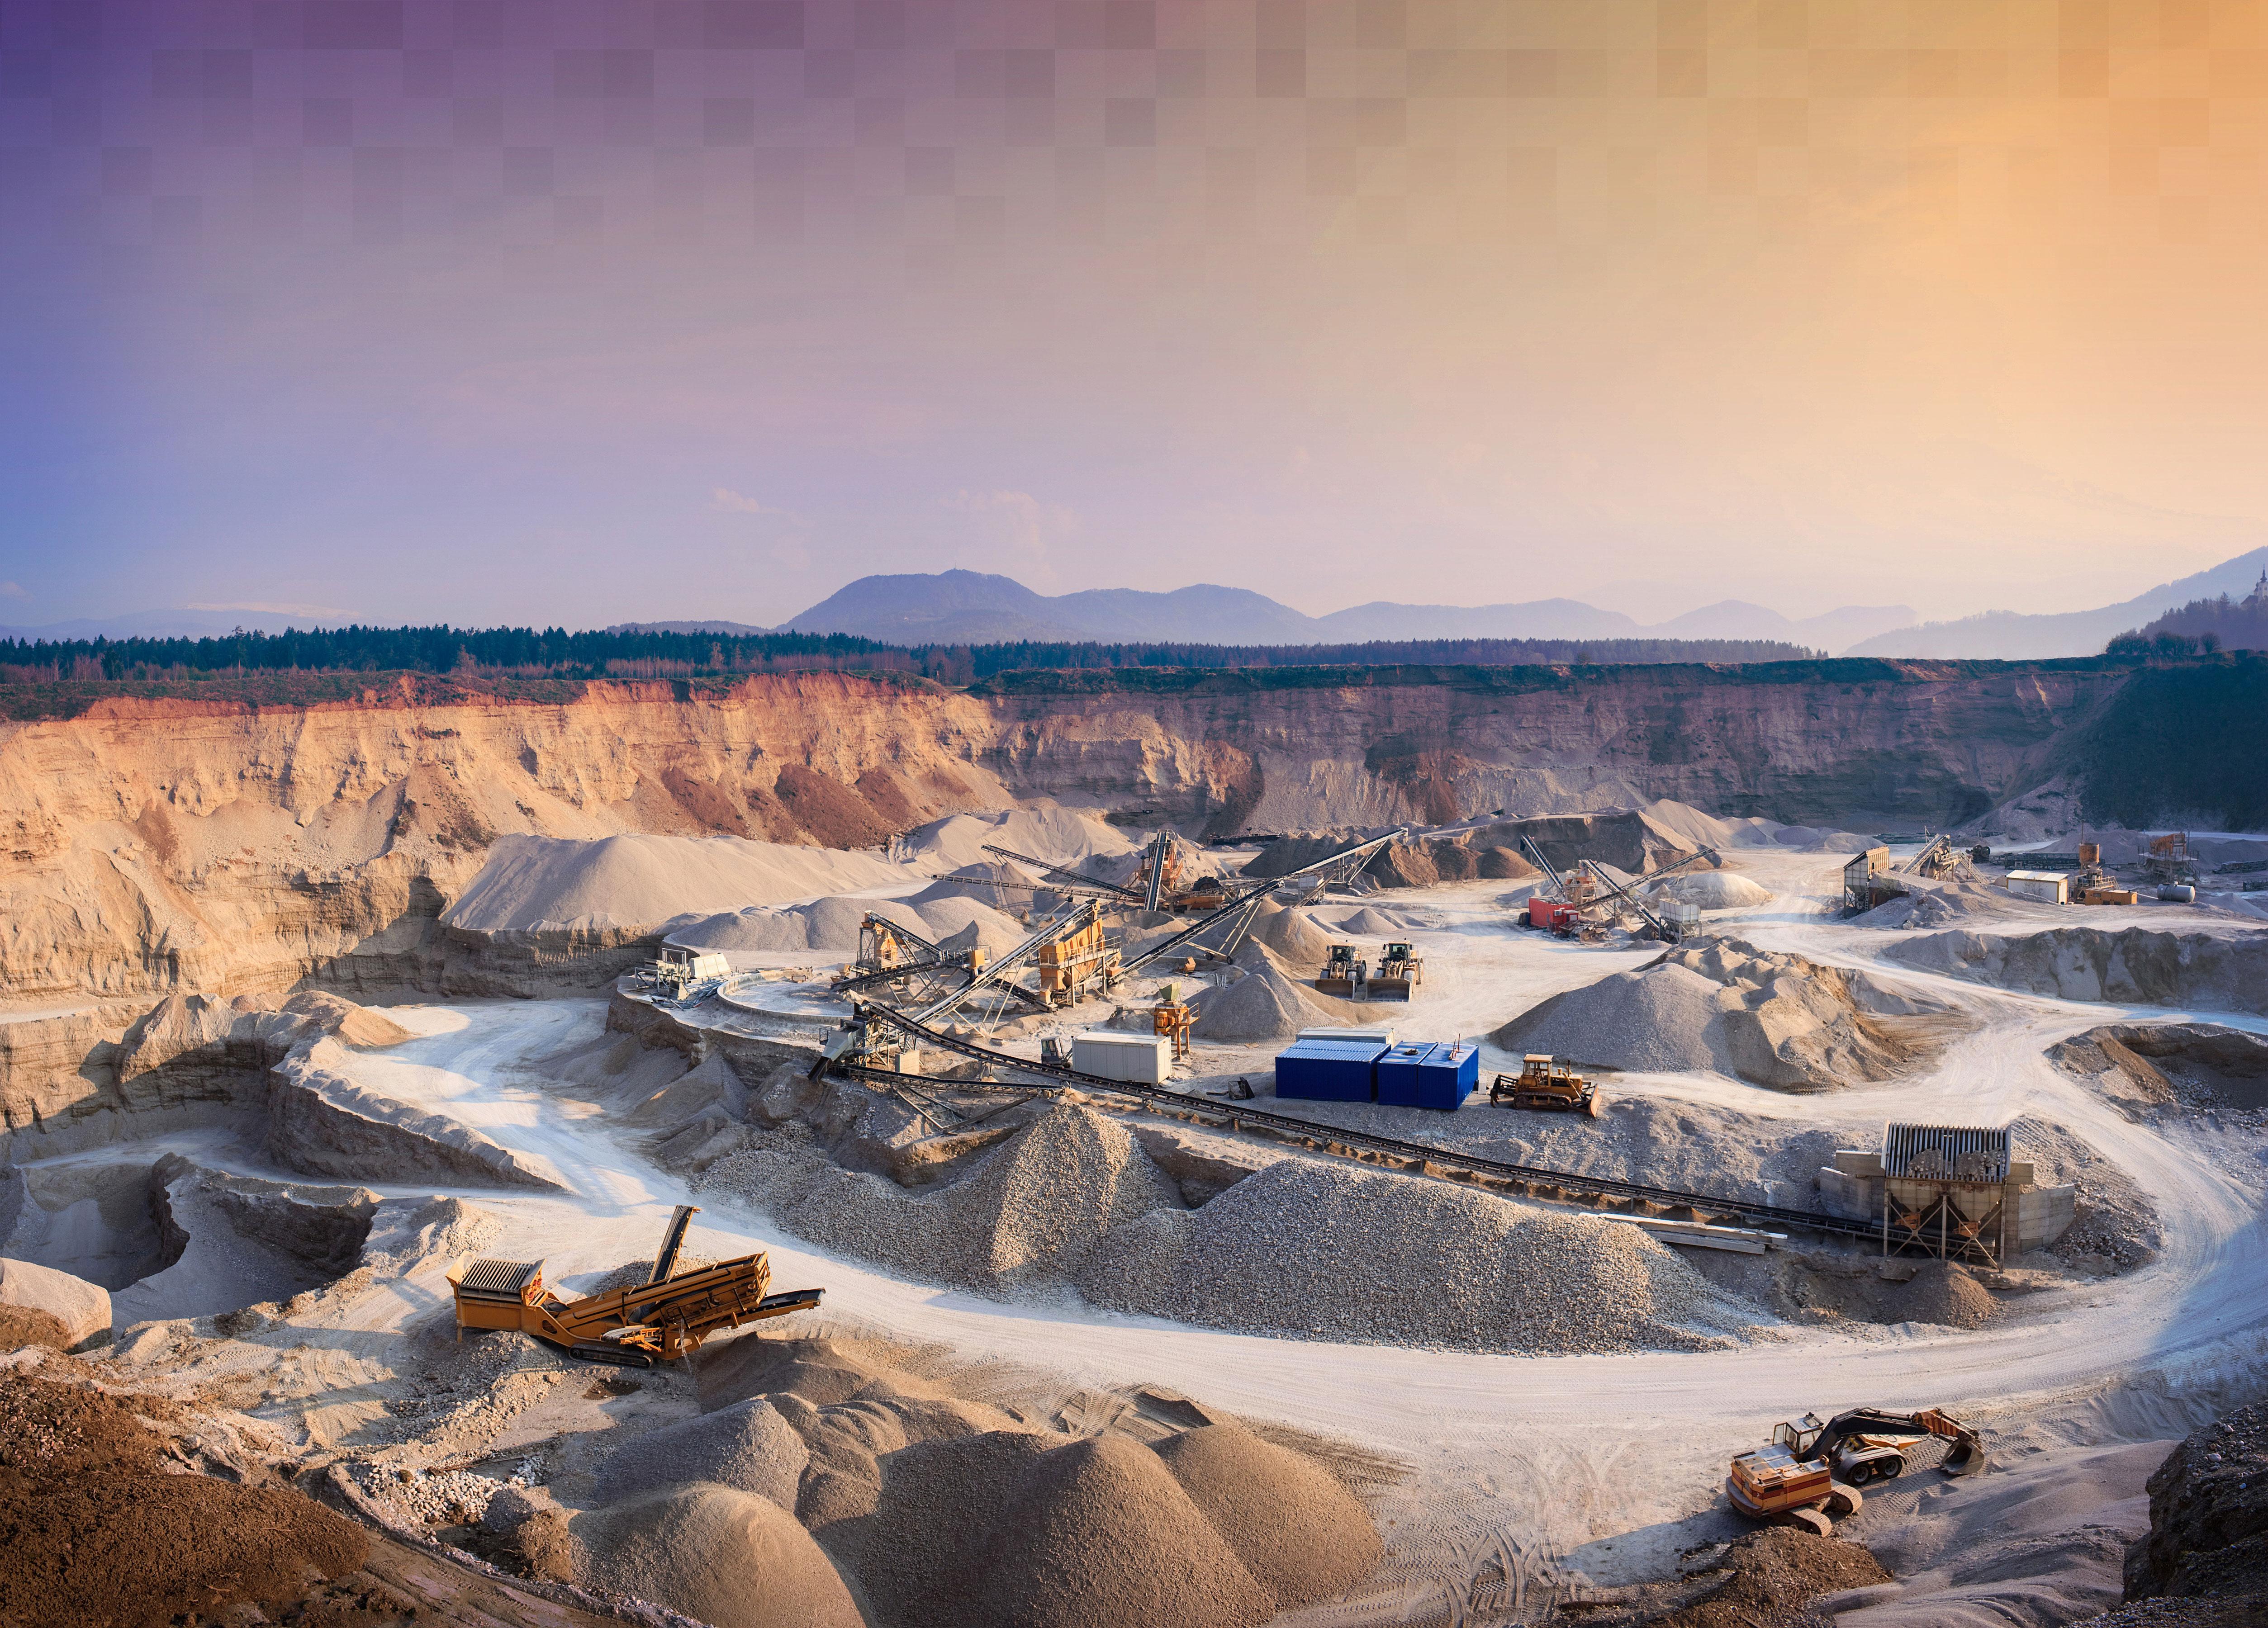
(1519, 1460)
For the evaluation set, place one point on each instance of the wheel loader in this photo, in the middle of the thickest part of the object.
(667, 1315)
(1545, 1082)
(1810, 1473)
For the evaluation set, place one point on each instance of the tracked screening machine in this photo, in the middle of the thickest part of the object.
(667, 1315)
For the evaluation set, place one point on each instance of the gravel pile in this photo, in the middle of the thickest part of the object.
(1033, 1208)
(1305, 1249)
(747, 1447)
(1943, 1293)
(728, 1557)
(1291, 935)
(1266, 1005)
(1302, 1534)
(2136, 965)
(451, 1498)
(1773, 1020)
(1099, 1535)
(832, 924)
(1663, 1020)
(1714, 889)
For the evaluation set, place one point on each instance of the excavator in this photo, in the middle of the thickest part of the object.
(1809, 1474)
(664, 1317)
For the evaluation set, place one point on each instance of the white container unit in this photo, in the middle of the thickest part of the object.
(2050, 887)
(1145, 1059)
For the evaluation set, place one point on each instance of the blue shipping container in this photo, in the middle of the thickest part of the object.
(1448, 1076)
(1397, 1072)
(1328, 1071)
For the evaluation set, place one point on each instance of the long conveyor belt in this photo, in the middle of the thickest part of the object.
(1240, 1114)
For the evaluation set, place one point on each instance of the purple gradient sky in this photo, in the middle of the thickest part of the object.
(497, 311)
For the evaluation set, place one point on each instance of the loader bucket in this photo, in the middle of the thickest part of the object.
(1966, 1458)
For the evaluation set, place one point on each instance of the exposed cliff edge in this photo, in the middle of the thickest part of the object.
(269, 1074)
(2205, 1559)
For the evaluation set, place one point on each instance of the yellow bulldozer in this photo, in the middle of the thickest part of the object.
(1545, 1082)
(667, 1317)
(1809, 1474)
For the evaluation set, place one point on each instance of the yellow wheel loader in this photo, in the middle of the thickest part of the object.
(1809, 1474)
(667, 1315)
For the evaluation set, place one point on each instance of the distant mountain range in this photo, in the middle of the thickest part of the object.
(2010, 635)
(972, 607)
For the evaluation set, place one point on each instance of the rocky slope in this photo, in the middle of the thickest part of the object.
(2204, 1562)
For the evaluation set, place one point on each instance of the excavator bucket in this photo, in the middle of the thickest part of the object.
(1965, 1458)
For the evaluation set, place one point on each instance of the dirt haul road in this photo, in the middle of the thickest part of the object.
(1515, 1462)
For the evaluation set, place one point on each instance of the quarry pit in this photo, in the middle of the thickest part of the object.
(277, 1060)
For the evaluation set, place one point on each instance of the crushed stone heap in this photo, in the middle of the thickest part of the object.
(1724, 1006)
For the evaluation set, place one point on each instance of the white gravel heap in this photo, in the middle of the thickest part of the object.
(1662, 1020)
(1327, 1251)
(1031, 1208)
(451, 1498)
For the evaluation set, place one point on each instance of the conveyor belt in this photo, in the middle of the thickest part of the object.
(1240, 1115)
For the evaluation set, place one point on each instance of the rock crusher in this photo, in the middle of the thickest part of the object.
(667, 1317)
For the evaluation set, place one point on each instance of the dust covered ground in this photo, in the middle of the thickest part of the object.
(988, 1345)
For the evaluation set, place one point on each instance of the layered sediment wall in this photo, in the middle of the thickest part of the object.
(151, 843)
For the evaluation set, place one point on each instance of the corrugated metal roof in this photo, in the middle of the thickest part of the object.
(499, 1277)
(1946, 1153)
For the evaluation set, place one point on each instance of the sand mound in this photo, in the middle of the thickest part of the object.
(753, 930)
(1942, 1292)
(747, 1447)
(1045, 830)
(1034, 1206)
(50, 1308)
(1291, 935)
(1301, 1536)
(1501, 864)
(1772, 1020)
(1100, 1534)
(729, 1558)
(2087, 964)
(1312, 1250)
(952, 915)
(1715, 890)
(832, 924)
(637, 883)
(1371, 922)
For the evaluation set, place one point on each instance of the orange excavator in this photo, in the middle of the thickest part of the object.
(667, 1317)
(1809, 1474)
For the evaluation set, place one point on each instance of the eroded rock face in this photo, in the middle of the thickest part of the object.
(162, 844)
(2087, 964)
(2209, 1519)
(39, 1306)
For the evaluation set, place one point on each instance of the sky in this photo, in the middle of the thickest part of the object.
(579, 312)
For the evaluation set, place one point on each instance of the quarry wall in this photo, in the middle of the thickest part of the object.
(155, 842)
